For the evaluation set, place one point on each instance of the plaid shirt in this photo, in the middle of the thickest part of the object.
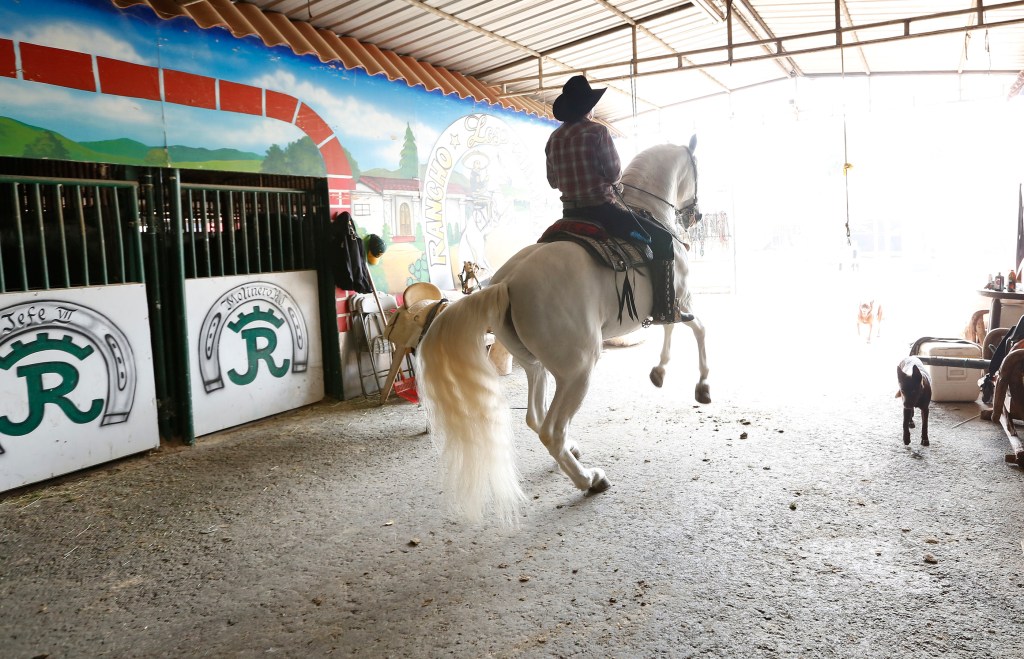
(582, 162)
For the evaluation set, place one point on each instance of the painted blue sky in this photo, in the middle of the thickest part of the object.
(368, 113)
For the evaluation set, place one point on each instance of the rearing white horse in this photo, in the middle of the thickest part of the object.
(551, 305)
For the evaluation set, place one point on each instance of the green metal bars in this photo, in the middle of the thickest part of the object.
(67, 232)
(237, 230)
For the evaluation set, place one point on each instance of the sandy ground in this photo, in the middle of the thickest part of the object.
(786, 519)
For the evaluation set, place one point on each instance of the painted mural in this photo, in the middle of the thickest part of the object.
(440, 179)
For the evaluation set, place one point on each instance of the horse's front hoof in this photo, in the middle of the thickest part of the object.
(600, 486)
(657, 376)
(924, 441)
(576, 452)
(906, 441)
(702, 393)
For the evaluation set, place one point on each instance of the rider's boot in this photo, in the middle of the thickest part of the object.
(666, 306)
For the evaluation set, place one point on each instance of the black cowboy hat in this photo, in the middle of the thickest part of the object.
(576, 100)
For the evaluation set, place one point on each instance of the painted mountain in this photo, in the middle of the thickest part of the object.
(21, 140)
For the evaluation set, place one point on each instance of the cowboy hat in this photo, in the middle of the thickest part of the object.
(577, 99)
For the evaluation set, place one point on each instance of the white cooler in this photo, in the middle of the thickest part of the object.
(952, 383)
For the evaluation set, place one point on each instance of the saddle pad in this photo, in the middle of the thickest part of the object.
(619, 255)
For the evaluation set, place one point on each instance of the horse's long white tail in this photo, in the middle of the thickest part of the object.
(467, 412)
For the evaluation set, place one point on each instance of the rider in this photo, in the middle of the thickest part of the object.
(583, 164)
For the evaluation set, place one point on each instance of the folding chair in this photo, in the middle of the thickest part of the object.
(375, 350)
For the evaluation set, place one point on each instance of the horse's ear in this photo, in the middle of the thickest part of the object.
(693, 142)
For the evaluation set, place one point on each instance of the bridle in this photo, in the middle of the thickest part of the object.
(688, 215)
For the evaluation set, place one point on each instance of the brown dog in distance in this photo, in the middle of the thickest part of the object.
(870, 314)
(916, 390)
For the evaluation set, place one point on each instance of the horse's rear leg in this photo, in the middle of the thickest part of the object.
(536, 396)
(569, 394)
(537, 405)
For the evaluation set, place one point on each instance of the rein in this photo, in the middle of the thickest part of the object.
(651, 194)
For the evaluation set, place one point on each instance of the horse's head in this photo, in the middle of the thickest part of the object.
(663, 181)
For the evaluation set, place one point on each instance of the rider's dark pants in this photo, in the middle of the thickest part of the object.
(620, 223)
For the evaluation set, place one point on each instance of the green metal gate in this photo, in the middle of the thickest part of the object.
(148, 226)
(59, 233)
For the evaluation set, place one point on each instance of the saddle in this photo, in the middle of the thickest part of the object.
(616, 253)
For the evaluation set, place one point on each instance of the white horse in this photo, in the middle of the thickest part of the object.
(552, 305)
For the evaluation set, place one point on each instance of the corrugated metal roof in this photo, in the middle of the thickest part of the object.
(277, 29)
(650, 53)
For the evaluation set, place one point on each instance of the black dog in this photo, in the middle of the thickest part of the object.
(916, 390)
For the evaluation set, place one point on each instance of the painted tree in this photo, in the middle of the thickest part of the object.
(156, 157)
(409, 163)
(356, 173)
(299, 158)
(304, 158)
(274, 162)
(46, 146)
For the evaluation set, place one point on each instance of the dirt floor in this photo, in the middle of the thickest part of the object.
(786, 519)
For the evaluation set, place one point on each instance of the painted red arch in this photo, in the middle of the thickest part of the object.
(103, 75)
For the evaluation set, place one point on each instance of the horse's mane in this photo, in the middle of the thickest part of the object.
(657, 170)
(653, 159)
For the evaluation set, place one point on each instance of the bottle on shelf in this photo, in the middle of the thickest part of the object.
(997, 284)
(1011, 282)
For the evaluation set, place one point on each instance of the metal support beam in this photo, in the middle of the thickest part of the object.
(789, 67)
(729, 58)
(711, 9)
(856, 37)
(546, 54)
(839, 26)
(634, 25)
(728, 29)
